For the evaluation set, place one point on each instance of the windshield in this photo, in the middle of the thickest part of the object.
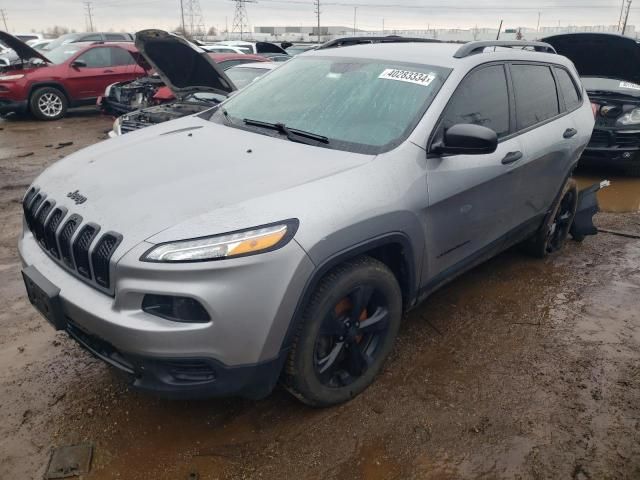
(243, 76)
(611, 85)
(360, 105)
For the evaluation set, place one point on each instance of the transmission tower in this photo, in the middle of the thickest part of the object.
(193, 22)
(316, 3)
(240, 17)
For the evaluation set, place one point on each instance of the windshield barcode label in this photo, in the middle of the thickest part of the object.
(418, 78)
(629, 85)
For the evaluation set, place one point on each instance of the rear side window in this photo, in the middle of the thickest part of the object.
(536, 95)
(568, 88)
(119, 56)
(482, 99)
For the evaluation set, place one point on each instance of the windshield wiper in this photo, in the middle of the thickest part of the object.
(292, 134)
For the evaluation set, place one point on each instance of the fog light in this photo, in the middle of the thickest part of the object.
(626, 155)
(176, 309)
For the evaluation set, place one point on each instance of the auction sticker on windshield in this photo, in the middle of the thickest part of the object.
(418, 78)
(634, 86)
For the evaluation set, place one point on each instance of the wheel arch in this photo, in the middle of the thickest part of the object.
(52, 84)
(394, 249)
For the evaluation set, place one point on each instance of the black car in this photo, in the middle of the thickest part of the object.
(609, 66)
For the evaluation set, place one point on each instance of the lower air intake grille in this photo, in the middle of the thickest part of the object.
(101, 256)
(81, 249)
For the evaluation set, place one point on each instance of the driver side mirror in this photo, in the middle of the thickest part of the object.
(466, 139)
(79, 64)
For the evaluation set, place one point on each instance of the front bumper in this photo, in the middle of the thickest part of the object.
(251, 302)
(11, 106)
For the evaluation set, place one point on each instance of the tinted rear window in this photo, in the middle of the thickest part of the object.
(568, 89)
(482, 99)
(535, 92)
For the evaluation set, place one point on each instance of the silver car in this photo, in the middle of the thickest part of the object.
(281, 235)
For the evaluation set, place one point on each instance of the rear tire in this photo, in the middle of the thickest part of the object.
(551, 236)
(48, 103)
(346, 333)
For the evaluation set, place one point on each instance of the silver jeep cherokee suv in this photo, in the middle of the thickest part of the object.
(282, 234)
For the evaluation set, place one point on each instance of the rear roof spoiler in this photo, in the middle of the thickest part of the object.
(473, 48)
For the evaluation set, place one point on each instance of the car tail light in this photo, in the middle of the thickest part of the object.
(594, 108)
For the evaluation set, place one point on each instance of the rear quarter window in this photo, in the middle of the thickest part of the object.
(535, 94)
(568, 88)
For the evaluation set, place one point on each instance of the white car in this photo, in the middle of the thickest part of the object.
(253, 47)
(215, 48)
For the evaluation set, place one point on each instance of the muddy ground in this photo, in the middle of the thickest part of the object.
(520, 369)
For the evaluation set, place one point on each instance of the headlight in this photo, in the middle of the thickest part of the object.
(11, 77)
(116, 125)
(630, 118)
(246, 242)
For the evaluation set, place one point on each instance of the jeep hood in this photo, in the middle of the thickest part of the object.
(24, 51)
(600, 54)
(183, 66)
(184, 171)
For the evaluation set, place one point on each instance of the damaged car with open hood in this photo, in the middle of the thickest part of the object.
(190, 73)
(609, 67)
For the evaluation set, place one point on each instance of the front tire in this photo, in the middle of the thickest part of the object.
(551, 236)
(347, 331)
(48, 103)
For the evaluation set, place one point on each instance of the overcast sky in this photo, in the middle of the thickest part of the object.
(131, 15)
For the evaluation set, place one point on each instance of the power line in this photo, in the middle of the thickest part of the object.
(88, 6)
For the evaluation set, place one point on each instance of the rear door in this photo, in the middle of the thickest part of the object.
(471, 204)
(548, 137)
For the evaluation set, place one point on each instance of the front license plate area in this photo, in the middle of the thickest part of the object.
(44, 296)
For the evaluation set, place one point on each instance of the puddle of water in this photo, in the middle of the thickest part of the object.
(622, 196)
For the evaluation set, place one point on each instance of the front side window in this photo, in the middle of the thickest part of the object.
(482, 99)
(96, 57)
(568, 89)
(535, 92)
(360, 105)
(63, 53)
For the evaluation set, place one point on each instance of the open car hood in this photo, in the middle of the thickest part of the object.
(24, 51)
(600, 54)
(183, 66)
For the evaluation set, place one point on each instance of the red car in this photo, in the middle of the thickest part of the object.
(72, 75)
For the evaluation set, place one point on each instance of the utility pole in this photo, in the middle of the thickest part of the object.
(538, 26)
(184, 30)
(88, 6)
(626, 17)
(4, 19)
(499, 30)
(383, 27)
(621, 12)
(355, 13)
(317, 12)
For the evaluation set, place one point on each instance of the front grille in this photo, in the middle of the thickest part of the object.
(128, 125)
(81, 249)
(41, 216)
(65, 239)
(50, 229)
(102, 255)
(68, 240)
(610, 138)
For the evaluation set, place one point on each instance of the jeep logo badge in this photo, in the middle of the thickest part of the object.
(77, 197)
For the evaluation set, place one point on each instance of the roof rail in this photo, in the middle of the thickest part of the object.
(472, 48)
(349, 41)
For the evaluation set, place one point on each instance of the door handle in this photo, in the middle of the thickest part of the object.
(511, 157)
(569, 132)
(108, 71)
